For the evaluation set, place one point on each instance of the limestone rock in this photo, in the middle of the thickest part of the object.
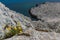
(9, 17)
(46, 26)
(36, 35)
(49, 14)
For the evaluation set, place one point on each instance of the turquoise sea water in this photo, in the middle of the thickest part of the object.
(22, 7)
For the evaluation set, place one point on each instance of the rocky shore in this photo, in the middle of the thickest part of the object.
(23, 28)
(48, 13)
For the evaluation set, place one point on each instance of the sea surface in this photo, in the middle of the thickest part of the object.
(23, 6)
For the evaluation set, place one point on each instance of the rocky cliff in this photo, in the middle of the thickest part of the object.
(9, 18)
(49, 15)
(15, 26)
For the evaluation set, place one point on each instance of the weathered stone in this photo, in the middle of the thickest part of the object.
(48, 14)
(36, 35)
(9, 17)
(46, 27)
(42, 27)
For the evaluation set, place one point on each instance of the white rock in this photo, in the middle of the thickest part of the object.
(8, 16)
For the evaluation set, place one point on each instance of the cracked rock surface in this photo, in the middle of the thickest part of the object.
(38, 30)
(9, 17)
(48, 14)
(36, 35)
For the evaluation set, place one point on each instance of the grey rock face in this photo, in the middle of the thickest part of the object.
(46, 26)
(47, 11)
(36, 35)
(41, 26)
(48, 14)
(9, 17)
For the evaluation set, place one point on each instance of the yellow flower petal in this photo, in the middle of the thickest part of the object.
(18, 24)
(15, 28)
(20, 28)
(20, 32)
(8, 28)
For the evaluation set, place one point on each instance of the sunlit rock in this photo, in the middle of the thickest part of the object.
(9, 17)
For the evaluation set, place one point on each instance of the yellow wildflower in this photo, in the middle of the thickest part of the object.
(18, 24)
(20, 32)
(19, 28)
(15, 28)
(8, 28)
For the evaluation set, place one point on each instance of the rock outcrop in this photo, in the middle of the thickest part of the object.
(47, 11)
(9, 17)
(48, 14)
(36, 35)
(32, 30)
